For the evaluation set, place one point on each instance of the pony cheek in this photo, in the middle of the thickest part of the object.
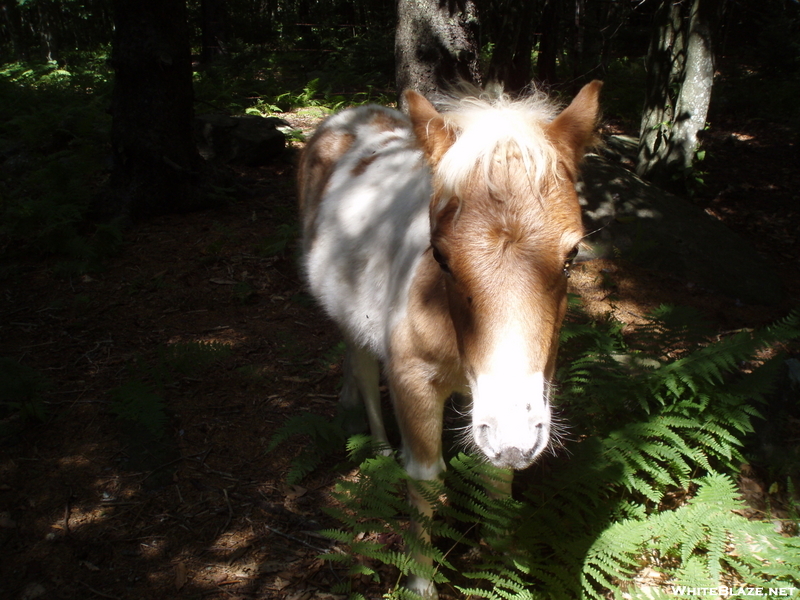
(464, 322)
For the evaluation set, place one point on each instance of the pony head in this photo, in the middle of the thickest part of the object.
(505, 224)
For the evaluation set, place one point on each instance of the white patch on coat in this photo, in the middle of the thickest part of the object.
(373, 228)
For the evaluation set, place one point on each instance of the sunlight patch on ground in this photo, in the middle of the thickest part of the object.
(742, 137)
(219, 336)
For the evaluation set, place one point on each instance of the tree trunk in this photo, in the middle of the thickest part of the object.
(511, 65)
(48, 30)
(680, 74)
(212, 29)
(15, 30)
(436, 45)
(156, 169)
(578, 35)
(548, 43)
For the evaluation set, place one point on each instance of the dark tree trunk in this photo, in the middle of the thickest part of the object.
(511, 64)
(578, 35)
(48, 29)
(680, 73)
(213, 29)
(436, 45)
(156, 169)
(13, 25)
(548, 43)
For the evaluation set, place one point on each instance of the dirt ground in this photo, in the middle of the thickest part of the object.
(91, 507)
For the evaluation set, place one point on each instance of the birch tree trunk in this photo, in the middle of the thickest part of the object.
(436, 45)
(680, 73)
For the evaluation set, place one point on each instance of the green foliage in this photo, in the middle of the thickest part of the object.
(624, 84)
(53, 135)
(138, 402)
(279, 240)
(259, 89)
(657, 418)
(21, 396)
(141, 398)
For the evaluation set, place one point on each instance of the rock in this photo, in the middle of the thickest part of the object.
(628, 218)
(248, 140)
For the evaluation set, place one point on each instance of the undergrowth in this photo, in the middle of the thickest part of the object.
(641, 500)
(54, 133)
(55, 156)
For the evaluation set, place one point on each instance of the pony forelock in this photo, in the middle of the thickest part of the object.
(488, 131)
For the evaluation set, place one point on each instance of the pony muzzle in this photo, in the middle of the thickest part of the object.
(512, 451)
(511, 423)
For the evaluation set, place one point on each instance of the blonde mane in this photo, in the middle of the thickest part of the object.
(489, 130)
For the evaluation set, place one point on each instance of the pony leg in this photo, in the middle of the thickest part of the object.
(419, 410)
(417, 583)
(361, 384)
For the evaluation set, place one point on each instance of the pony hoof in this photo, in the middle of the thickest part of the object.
(424, 588)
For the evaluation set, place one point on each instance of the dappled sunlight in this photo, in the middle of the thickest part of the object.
(628, 293)
(221, 337)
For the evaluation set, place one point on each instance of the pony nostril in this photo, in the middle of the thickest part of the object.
(515, 458)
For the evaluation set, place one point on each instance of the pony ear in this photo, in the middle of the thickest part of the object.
(429, 126)
(575, 125)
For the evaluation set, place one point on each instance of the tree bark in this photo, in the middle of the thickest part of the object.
(156, 169)
(510, 65)
(212, 29)
(48, 30)
(15, 29)
(548, 43)
(680, 75)
(436, 45)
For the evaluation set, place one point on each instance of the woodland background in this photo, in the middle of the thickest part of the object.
(155, 334)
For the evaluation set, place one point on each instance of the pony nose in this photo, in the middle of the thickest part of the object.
(514, 451)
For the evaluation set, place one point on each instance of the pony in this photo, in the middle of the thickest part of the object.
(440, 243)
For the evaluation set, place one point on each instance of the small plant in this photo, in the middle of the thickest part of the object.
(277, 243)
(141, 399)
(138, 402)
(21, 395)
(327, 438)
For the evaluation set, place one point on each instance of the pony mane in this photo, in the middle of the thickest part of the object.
(488, 129)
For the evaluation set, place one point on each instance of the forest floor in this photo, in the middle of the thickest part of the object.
(91, 507)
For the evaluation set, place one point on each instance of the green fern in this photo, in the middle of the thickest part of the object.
(138, 402)
(327, 438)
(656, 414)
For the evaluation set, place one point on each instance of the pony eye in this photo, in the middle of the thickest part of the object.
(569, 260)
(437, 256)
